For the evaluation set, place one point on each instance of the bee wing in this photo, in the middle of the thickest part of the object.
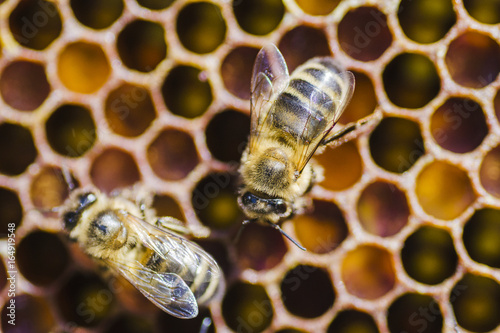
(269, 78)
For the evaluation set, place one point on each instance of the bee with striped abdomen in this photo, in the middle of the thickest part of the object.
(171, 271)
(291, 117)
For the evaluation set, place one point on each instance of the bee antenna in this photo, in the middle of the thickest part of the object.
(68, 178)
(240, 230)
(275, 226)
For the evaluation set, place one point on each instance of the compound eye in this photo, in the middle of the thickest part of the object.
(87, 199)
(281, 208)
(71, 220)
(248, 199)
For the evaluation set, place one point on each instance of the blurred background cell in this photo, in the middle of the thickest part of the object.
(17, 149)
(350, 321)
(97, 14)
(236, 70)
(258, 17)
(412, 313)
(114, 169)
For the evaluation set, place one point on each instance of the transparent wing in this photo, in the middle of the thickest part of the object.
(269, 78)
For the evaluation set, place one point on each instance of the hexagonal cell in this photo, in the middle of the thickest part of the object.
(201, 28)
(258, 17)
(396, 144)
(303, 43)
(35, 23)
(227, 135)
(480, 237)
(187, 92)
(155, 4)
(41, 257)
(84, 300)
(129, 110)
(363, 33)
(368, 272)
(114, 168)
(49, 188)
(11, 210)
(236, 70)
(290, 330)
(429, 255)
(321, 230)
(214, 201)
(307, 291)
(17, 149)
(173, 155)
(24, 85)
(473, 60)
(141, 45)
(247, 307)
(363, 101)
(443, 190)
(489, 172)
(485, 11)
(167, 206)
(37, 309)
(219, 251)
(411, 80)
(350, 321)
(475, 300)
(97, 14)
(415, 313)
(167, 323)
(127, 323)
(317, 7)
(260, 247)
(426, 21)
(83, 67)
(383, 209)
(459, 125)
(342, 166)
(70, 130)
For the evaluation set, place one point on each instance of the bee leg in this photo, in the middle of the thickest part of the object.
(171, 223)
(352, 130)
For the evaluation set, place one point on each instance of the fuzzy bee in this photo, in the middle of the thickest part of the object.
(171, 271)
(291, 117)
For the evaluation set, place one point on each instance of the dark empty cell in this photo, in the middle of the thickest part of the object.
(321, 230)
(155, 4)
(307, 291)
(129, 110)
(219, 251)
(363, 101)
(201, 27)
(260, 247)
(363, 33)
(303, 43)
(31, 314)
(49, 188)
(84, 300)
(227, 135)
(114, 169)
(426, 21)
(187, 92)
(485, 11)
(11, 211)
(351, 321)
(383, 209)
(141, 45)
(411, 80)
(473, 60)
(481, 234)
(35, 23)
(236, 70)
(317, 7)
(258, 17)
(496, 105)
(172, 155)
(41, 257)
(396, 144)
(476, 303)
(368, 272)
(459, 125)
(17, 149)
(70, 130)
(429, 256)
(247, 308)
(214, 201)
(415, 313)
(130, 324)
(167, 206)
(489, 173)
(167, 323)
(342, 166)
(97, 14)
(23, 85)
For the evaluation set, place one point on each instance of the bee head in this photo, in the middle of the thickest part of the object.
(260, 207)
(73, 215)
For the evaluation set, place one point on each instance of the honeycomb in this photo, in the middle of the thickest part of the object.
(405, 228)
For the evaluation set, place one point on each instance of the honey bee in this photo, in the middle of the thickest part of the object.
(171, 271)
(291, 117)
